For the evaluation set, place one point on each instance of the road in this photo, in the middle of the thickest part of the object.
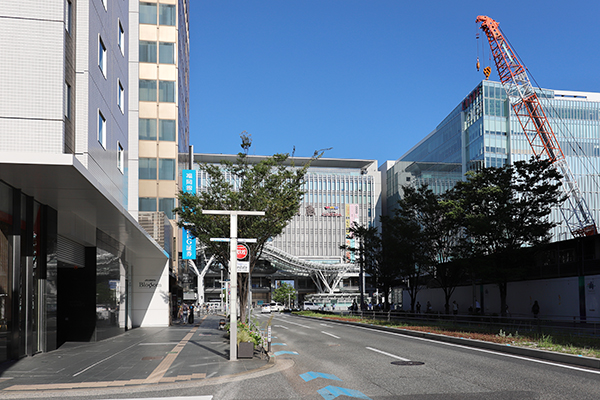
(315, 359)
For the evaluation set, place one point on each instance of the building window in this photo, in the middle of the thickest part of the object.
(120, 157)
(102, 56)
(167, 130)
(69, 17)
(120, 96)
(147, 51)
(147, 90)
(166, 91)
(148, 13)
(68, 100)
(166, 205)
(166, 53)
(148, 168)
(147, 129)
(147, 204)
(166, 169)
(101, 129)
(121, 38)
(167, 14)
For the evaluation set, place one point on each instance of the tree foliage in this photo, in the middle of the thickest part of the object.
(285, 294)
(272, 184)
(503, 210)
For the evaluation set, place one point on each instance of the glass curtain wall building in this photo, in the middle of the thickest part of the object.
(482, 131)
(338, 193)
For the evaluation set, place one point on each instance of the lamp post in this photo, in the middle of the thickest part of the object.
(233, 272)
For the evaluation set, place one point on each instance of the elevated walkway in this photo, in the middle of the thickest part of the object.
(326, 276)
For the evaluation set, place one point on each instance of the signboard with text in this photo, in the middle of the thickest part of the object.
(188, 242)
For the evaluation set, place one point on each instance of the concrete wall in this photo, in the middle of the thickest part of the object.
(150, 293)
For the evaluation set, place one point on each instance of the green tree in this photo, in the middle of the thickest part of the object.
(273, 185)
(503, 210)
(285, 294)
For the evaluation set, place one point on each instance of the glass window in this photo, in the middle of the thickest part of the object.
(102, 56)
(147, 204)
(147, 90)
(120, 96)
(120, 157)
(166, 169)
(67, 100)
(147, 51)
(101, 129)
(148, 168)
(167, 130)
(69, 17)
(166, 53)
(167, 14)
(148, 13)
(121, 38)
(166, 205)
(166, 91)
(147, 129)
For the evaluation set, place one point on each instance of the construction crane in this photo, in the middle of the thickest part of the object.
(532, 118)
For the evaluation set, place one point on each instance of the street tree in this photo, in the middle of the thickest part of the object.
(285, 294)
(503, 210)
(272, 184)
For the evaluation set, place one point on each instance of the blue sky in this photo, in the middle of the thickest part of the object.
(368, 78)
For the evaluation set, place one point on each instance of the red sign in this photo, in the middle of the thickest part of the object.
(242, 251)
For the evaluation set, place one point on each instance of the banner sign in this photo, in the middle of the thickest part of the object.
(188, 242)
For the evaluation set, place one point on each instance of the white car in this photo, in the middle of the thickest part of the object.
(310, 306)
(276, 306)
(266, 308)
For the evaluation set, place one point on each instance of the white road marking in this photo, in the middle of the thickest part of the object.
(388, 354)
(175, 398)
(332, 335)
(483, 350)
(329, 326)
(294, 323)
(281, 326)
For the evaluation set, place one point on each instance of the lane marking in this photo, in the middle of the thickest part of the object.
(388, 354)
(281, 326)
(330, 334)
(328, 326)
(482, 350)
(278, 353)
(309, 376)
(294, 323)
(331, 392)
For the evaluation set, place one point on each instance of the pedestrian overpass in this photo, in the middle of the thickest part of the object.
(326, 276)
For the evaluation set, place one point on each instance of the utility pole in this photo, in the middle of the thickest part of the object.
(233, 272)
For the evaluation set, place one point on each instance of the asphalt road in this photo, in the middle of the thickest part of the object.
(316, 359)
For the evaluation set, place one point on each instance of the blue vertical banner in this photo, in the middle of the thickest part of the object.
(188, 242)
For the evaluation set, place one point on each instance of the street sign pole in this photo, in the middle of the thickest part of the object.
(233, 272)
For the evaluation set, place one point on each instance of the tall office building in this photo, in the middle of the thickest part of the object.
(482, 131)
(160, 122)
(75, 265)
(338, 193)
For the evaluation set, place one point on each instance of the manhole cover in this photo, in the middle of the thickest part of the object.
(407, 363)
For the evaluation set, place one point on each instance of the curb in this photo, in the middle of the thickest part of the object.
(569, 359)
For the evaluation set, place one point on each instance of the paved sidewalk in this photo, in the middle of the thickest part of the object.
(138, 357)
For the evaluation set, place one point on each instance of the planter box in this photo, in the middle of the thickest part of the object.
(245, 350)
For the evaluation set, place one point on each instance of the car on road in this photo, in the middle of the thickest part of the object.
(266, 308)
(310, 306)
(275, 306)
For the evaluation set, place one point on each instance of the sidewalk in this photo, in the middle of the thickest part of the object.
(138, 357)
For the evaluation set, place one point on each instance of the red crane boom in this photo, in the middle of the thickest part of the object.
(532, 118)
